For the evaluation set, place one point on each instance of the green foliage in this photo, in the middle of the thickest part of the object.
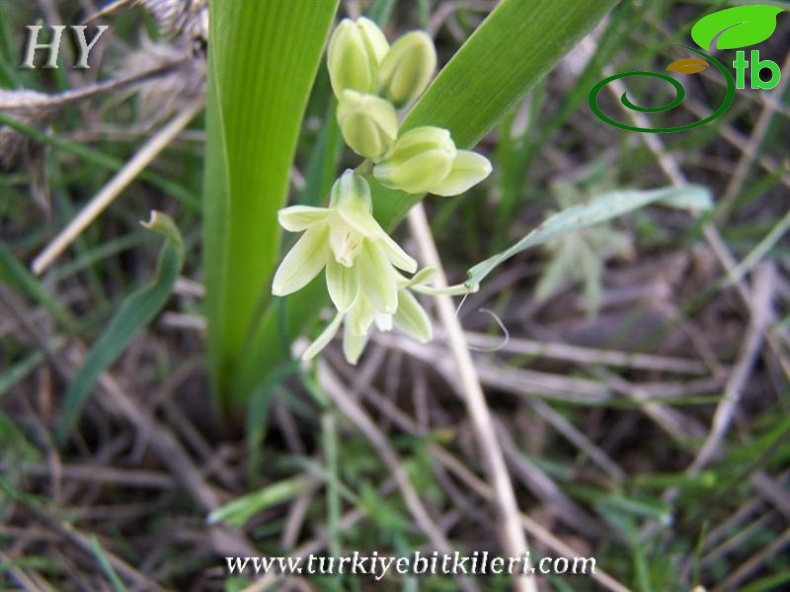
(491, 72)
(605, 207)
(13, 273)
(580, 256)
(242, 509)
(262, 63)
(136, 311)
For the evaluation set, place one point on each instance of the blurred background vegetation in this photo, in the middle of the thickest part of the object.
(638, 370)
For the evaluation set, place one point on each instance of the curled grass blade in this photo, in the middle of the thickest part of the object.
(136, 311)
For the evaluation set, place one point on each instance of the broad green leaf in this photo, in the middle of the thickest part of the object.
(262, 63)
(240, 510)
(136, 311)
(509, 52)
(740, 26)
(606, 207)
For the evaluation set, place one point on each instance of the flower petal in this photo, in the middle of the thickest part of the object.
(396, 255)
(425, 275)
(360, 219)
(299, 218)
(412, 318)
(303, 262)
(353, 345)
(419, 159)
(360, 316)
(469, 168)
(323, 340)
(343, 284)
(369, 123)
(383, 321)
(377, 278)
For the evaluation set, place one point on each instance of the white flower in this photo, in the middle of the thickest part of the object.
(360, 318)
(359, 256)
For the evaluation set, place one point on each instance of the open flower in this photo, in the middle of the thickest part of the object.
(359, 320)
(359, 256)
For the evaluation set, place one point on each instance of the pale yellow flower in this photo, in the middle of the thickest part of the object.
(359, 256)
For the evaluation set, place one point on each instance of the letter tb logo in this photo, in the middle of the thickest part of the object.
(731, 28)
(52, 46)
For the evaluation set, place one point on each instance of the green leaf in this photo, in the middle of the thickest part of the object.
(262, 63)
(106, 566)
(136, 311)
(13, 273)
(606, 207)
(740, 26)
(580, 256)
(509, 52)
(240, 510)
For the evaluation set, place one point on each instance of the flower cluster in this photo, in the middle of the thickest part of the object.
(364, 266)
(371, 80)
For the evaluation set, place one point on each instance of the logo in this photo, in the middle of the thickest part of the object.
(732, 28)
(53, 46)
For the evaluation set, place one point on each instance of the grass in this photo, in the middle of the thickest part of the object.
(652, 436)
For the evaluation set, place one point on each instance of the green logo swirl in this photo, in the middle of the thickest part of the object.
(680, 94)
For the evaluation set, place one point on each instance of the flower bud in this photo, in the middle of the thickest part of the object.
(369, 124)
(418, 160)
(351, 191)
(407, 68)
(469, 168)
(355, 50)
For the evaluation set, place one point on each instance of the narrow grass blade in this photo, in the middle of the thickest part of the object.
(262, 63)
(135, 312)
(240, 510)
(115, 581)
(100, 159)
(13, 273)
(606, 207)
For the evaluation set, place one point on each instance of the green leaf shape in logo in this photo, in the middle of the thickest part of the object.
(740, 26)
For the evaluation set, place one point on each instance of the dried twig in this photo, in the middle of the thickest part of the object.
(118, 183)
(762, 314)
(511, 533)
